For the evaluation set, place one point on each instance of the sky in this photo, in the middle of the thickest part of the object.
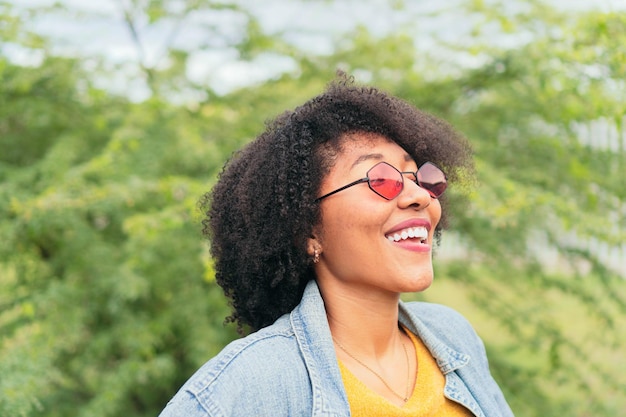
(314, 25)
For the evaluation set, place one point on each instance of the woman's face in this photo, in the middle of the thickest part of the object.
(361, 237)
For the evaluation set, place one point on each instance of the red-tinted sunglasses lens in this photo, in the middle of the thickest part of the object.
(432, 179)
(385, 180)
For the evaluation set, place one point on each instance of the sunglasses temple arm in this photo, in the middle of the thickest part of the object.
(342, 188)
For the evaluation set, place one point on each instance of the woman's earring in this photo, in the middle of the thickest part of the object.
(316, 256)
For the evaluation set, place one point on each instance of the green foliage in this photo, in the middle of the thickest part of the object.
(107, 298)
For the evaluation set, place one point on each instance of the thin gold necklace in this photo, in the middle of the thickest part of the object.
(404, 398)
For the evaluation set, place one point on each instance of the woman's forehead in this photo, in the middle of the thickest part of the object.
(358, 148)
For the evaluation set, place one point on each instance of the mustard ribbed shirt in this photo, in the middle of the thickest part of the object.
(427, 398)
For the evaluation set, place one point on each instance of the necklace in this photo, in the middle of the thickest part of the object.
(404, 397)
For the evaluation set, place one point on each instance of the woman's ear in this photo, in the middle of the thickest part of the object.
(314, 245)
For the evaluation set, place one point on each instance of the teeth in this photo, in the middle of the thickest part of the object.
(412, 232)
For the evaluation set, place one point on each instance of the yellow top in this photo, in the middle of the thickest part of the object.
(427, 398)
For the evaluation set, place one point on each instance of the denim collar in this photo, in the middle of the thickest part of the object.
(312, 333)
(448, 359)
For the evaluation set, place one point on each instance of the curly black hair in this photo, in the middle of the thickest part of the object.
(262, 209)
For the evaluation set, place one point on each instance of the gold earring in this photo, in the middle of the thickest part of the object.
(316, 256)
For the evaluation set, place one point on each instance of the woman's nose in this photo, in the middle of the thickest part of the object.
(413, 194)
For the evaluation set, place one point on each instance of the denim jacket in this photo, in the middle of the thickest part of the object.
(290, 368)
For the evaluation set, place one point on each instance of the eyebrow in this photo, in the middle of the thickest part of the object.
(377, 157)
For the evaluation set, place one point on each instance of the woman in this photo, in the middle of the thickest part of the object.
(317, 227)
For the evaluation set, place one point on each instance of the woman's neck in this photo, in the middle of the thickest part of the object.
(361, 318)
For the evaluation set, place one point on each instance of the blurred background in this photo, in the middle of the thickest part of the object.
(116, 116)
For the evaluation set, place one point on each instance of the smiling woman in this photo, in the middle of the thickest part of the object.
(317, 227)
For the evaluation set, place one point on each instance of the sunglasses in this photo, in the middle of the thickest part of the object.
(388, 182)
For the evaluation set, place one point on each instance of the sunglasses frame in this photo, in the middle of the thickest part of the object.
(402, 174)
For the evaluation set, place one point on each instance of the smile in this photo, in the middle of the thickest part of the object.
(409, 233)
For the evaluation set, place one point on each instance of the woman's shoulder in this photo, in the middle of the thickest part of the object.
(266, 351)
(256, 366)
(266, 343)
